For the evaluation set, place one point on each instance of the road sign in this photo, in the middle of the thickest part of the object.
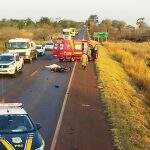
(101, 35)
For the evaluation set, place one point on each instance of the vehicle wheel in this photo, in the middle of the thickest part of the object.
(35, 58)
(15, 74)
(61, 60)
(72, 59)
(30, 60)
(20, 71)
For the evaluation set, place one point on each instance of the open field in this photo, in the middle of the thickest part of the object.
(135, 59)
(123, 78)
(7, 33)
(37, 34)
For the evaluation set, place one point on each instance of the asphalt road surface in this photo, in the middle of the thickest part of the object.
(41, 92)
(83, 34)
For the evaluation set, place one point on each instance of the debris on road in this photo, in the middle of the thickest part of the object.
(56, 86)
(53, 66)
(85, 105)
(58, 68)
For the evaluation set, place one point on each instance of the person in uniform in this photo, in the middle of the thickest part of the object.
(84, 59)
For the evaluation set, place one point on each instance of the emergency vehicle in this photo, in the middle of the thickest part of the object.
(69, 33)
(65, 49)
(62, 49)
(17, 130)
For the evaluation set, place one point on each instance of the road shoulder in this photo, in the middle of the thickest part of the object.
(84, 125)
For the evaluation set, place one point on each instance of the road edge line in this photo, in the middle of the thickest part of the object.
(55, 138)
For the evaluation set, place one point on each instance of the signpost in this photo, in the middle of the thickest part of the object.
(101, 36)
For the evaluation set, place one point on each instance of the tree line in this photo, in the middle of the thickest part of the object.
(119, 30)
(42, 29)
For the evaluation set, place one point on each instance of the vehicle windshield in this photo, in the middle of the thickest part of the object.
(18, 45)
(66, 33)
(15, 124)
(49, 43)
(59, 46)
(6, 58)
(39, 47)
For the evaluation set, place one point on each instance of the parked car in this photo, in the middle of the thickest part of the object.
(49, 46)
(40, 50)
(11, 63)
(17, 130)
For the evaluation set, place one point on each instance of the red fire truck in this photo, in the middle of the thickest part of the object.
(65, 49)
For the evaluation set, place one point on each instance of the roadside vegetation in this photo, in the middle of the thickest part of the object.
(124, 79)
(42, 30)
(119, 29)
(135, 59)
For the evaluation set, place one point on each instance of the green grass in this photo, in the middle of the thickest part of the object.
(125, 107)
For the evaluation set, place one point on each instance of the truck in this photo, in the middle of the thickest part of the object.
(69, 33)
(65, 49)
(24, 47)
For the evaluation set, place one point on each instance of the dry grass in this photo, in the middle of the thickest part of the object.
(2, 46)
(134, 58)
(38, 34)
(12, 32)
(7, 33)
(126, 108)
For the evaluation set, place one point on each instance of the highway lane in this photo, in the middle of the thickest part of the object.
(83, 34)
(36, 89)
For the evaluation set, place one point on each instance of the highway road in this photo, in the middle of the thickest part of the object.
(41, 91)
(83, 34)
(36, 89)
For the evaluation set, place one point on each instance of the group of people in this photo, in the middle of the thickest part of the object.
(90, 53)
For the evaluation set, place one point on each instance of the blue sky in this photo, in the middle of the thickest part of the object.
(128, 10)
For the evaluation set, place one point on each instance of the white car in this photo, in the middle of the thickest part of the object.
(40, 50)
(17, 130)
(49, 46)
(11, 63)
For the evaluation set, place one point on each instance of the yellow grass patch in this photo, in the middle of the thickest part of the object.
(125, 107)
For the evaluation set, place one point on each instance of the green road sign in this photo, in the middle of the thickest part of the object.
(101, 35)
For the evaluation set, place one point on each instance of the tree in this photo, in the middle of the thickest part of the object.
(107, 23)
(45, 32)
(118, 24)
(21, 24)
(93, 18)
(69, 24)
(29, 22)
(92, 23)
(44, 20)
(141, 23)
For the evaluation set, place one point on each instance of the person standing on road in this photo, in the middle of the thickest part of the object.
(89, 53)
(84, 60)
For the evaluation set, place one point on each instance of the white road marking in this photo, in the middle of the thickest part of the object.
(34, 73)
(55, 138)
